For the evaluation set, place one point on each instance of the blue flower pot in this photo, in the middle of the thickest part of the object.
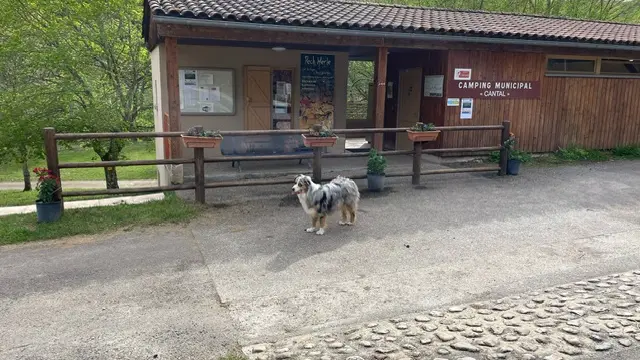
(48, 212)
(513, 167)
(375, 182)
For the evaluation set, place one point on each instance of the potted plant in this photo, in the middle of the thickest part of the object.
(421, 132)
(376, 165)
(319, 136)
(515, 157)
(48, 209)
(196, 137)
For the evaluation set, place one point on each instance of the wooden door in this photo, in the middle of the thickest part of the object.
(409, 95)
(257, 90)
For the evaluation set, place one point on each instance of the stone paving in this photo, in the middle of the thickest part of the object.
(565, 322)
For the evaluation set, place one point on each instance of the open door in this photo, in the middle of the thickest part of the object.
(409, 95)
(257, 91)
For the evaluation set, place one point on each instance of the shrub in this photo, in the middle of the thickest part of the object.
(575, 153)
(631, 151)
(376, 164)
(420, 126)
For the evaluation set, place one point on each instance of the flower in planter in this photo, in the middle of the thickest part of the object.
(514, 154)
(47, 186)
(320, 131)
(420, 126)
(193, 131)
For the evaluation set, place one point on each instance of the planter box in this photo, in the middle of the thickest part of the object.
(313, 141)
(201, 141)
(422, 136)
(375, 182)
(48, 212)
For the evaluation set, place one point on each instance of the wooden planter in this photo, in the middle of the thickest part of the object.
(201, 141)
(422, 136)
(316, 141)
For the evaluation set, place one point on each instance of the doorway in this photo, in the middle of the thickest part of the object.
(268, 98)
(409, 95)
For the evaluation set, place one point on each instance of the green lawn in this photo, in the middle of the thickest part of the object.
(143, 150)
(19, 197)
(24, 227)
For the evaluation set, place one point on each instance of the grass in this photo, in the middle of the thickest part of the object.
(24, 227)
(572, 154)
(142, 150)
(19, 197)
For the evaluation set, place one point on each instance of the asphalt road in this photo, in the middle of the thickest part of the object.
(246, 271)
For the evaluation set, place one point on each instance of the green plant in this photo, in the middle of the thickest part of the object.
(522, 156)
(48, 184)
(376, 164)
(494, 157)
(320, 131)
(575, 153)
(629, 152)
(193, 131)
(420, 126)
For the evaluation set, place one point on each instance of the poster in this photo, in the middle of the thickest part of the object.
(466, 110)
(453, 102)
(433, 85)
(462, 74)
(317, 80)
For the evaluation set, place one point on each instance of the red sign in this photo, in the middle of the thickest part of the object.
(462, 74)
(497, 90)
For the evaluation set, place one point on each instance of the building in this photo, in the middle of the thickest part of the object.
(257, 64)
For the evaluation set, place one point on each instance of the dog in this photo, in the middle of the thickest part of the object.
(320, 201)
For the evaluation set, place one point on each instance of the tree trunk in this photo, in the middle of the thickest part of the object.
(26, 174)
(112, 177)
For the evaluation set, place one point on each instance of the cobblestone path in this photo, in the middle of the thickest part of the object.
(564, 322)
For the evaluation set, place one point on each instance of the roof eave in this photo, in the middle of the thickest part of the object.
(383, 33)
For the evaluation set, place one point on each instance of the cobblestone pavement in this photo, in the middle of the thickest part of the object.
(600, 315)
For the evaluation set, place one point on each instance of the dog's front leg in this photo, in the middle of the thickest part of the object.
(314, 224)
(322, 224)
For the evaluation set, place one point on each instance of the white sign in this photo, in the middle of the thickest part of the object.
(453, 102)
(433, 85)
(462, 74)
(466, 110)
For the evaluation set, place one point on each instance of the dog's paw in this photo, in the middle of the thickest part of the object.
(310, 230)
(320, 232)
(345, 223)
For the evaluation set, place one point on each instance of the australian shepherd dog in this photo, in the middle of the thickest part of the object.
(320, 201)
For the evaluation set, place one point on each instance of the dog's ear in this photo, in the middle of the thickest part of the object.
(306, 181)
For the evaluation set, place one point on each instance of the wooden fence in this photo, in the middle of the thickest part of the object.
(198, 160)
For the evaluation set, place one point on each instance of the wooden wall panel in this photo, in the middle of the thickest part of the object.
(590, 112)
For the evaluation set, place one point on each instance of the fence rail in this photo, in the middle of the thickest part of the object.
(198, 160)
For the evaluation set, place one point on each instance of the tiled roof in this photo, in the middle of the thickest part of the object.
(367, 16)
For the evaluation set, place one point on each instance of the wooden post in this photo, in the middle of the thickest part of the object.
(417, 162)
(380, 83)
(198, 165)
(51, 151)
(317, 164)
(504, 153)
(173, 92)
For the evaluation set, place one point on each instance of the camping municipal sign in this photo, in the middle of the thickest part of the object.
(503, 89)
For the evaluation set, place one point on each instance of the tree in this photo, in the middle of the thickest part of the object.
(93, 54)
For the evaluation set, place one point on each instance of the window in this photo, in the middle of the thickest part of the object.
(281, 108)
(580, 66)
(207, 91)
(620, 67)
(592, 66)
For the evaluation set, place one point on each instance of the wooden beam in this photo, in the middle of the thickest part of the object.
(173, 92)
(380, 83)
(284, 37)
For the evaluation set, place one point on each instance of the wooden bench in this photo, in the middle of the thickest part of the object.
(260, 145)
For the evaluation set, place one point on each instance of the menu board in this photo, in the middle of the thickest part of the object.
(317, 81)
(207, 91)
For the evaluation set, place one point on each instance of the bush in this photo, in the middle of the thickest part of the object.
(632, 151)
(376, 164)
(519, 155)
(575, 153)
